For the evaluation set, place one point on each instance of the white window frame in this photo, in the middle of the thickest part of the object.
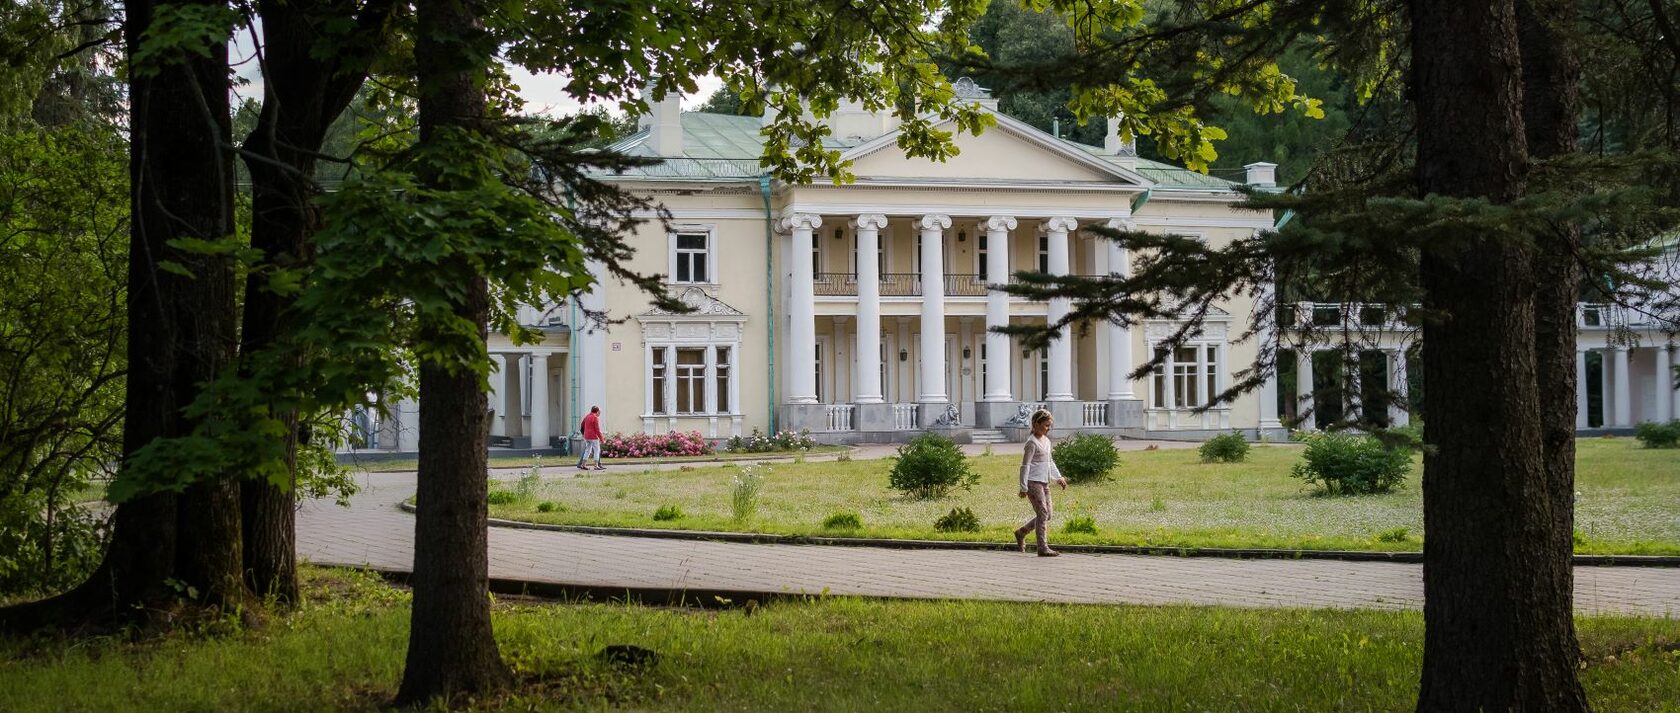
(711, 253)
(689, 380)
(980, 248)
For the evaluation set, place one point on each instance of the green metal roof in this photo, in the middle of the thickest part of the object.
(727, 147)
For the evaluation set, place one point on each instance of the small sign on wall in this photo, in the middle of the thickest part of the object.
(618, 346)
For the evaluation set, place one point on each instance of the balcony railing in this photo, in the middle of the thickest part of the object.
(840, 417)
(1351, 315)
(904, 416)
(1094, 414)
(896, 284)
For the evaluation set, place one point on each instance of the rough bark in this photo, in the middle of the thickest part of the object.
(451, 648)
(1496, 635)
(1551, 105)
(305, 91)
(181, 185)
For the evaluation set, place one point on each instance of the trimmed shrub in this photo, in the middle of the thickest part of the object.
(843, 521)
(1084, 524)
(503, 497)
(1659, 435)
(1086, 458)
(547, 506)
(957, 520)
(1345, 464)
(642, 445)
(1225, 448)
(929, 467)
(758, 442)
(667, 513)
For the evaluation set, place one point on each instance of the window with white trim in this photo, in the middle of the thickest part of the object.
(1044, 253)
(659, 375)
(691, 380)
(692, 257)
(980, 255)
(819, 367)
(1195, 377)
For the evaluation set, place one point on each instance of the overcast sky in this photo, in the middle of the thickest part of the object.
(543, 93)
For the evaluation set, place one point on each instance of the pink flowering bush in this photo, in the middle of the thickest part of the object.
(642, 445)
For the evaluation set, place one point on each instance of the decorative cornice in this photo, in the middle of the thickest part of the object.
(706, 307)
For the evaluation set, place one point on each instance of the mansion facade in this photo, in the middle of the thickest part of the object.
(862, 312)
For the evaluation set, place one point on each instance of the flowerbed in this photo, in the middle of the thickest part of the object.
(642, 445)
(758, 442)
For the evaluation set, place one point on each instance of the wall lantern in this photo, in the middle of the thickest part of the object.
(839, 233)
(966, 352)
(1026, 353)
(962, 235)
(903, 355)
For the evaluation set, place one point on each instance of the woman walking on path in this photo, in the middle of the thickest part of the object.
(1037, 470)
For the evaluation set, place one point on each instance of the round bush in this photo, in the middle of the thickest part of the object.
(666, 513)
(929, 467)
(1344, 464)
(958, 520)
(843, 521)
(1224, 448)
(1086, 458)
(1659, 435)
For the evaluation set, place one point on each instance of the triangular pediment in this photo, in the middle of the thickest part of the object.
(1010, 151)
(705, 307)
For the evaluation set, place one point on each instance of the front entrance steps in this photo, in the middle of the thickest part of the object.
(988, 435)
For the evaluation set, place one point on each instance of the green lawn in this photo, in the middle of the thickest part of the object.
(1629, 502)
(408, 464)
(344, 650)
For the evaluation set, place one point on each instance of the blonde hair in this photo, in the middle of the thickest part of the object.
(1040, 416)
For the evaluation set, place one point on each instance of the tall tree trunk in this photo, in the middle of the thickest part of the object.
(305, 91)
(1551, 105)
(181, 186)
(1495, 637)
(451, 647)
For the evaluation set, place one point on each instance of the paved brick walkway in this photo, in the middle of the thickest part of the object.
(373, 531)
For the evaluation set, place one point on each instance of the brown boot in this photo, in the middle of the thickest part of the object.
(1020, 541)
(1047, 552)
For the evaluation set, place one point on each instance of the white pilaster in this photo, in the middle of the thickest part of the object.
(1204, 355)
(932, 387)
(711, 379)
(997, 384)
(1061, 349)
(1304, 389)
(1665, 385)
(839, 377)
(1581, 421)
(1624, 397)
(900, 369)
(1169, 390)
(1120, 336)
(670, 383)
(1606, 390)
(867, 228)
(801, 343)
(1399, 411)
(592, 364)
(540, 431)
(965, 390)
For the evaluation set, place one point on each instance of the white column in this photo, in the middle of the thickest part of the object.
(1304, 388)
(867, 228)
(513, 399)
(802, 327)
(1399, 407)
(540, 431)
(1624, 397)
(1061, 349)
(498, 379)
(1120, 336)
(1581, 421)
(1665, 385)
(932, 388)
(997, 384)
(593, 362)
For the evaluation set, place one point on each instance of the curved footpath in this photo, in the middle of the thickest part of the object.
(375, 532)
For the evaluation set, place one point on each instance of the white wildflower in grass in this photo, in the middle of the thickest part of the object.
(744, 493)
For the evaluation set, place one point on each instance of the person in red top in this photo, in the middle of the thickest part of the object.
(591, 429)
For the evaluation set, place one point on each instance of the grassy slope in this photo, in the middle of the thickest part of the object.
(345, 652)
(1629, 502)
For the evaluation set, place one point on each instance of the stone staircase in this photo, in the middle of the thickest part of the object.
(988, 435)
